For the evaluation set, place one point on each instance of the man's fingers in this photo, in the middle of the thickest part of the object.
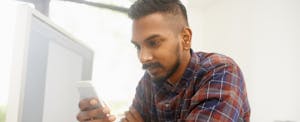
(90, 111)
(112, 118)
(96, 120)
(92, 114)
(88, 103)
(135, 114)
(106, 110)
(82, 116)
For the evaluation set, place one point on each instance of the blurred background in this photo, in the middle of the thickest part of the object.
(262, 36)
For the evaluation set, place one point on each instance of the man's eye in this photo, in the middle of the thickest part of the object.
(153, 43)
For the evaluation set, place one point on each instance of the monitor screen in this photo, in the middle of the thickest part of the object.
(47, 64)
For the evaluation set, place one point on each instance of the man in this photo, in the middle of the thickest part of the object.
(179, 84)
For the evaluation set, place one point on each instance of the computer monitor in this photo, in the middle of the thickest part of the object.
(46, 65)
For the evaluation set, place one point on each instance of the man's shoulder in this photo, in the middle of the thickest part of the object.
(212, 60)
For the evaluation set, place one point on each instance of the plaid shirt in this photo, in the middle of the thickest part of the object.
(212, 89)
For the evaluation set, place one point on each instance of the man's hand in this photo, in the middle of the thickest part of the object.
(132, 116)
(91, 111)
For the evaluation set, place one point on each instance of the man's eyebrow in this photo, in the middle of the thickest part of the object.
(147, 39)
(151, 37)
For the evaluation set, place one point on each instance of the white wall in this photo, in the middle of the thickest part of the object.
(262, 36)
(7, 21)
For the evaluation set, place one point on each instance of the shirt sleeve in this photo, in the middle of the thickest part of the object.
(222, 97)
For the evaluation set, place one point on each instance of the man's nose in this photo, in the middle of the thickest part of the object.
(145, 56)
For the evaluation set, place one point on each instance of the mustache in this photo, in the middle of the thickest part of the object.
(154, 64)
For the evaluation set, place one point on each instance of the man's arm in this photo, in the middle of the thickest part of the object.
(222, 98)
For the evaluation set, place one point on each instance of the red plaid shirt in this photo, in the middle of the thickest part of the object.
(212, 88)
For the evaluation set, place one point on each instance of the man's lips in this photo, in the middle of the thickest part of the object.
(152, 70)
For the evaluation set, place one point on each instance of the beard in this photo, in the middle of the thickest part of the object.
(160, 79)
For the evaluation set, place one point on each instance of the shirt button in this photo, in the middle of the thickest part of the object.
(167, 105)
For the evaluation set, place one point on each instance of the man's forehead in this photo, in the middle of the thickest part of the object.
(147, 26)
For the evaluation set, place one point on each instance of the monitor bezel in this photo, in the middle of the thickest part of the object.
(20, 58)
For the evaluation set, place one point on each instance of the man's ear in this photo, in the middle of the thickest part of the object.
(186, 35)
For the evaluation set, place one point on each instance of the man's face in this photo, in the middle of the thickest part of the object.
(158, 46)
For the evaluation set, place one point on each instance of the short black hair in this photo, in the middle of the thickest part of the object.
(145, 7)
